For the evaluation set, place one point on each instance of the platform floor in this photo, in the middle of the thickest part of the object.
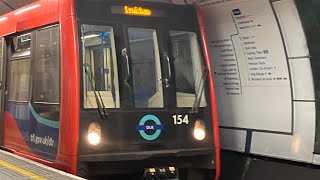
(13, 167)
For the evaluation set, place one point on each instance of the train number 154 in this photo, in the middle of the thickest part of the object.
(180, 119)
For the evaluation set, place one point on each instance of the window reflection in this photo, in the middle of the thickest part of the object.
(19, 66)
(18, 82)
(99, 56)
(47, 66)
(46, 79)
(188, 68)
(145, 57)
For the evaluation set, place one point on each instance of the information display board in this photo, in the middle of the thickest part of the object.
(250, 65)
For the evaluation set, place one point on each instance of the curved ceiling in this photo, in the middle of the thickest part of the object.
(10, 5)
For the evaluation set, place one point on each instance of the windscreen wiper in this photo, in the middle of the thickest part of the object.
(101, 108)
(127, 77)
(199, 92)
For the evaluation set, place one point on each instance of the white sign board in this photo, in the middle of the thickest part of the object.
(250, 66)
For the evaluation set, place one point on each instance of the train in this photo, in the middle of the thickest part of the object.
(109, 87)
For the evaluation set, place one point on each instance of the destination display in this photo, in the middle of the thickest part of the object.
(250, 64)
(137, 11)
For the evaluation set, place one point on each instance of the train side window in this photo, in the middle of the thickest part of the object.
(18, 81)
(46, 78)
(100, 70)
(189, 69)
(19, 69)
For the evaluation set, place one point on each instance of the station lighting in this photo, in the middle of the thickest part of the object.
(199, 131)
(94, 133)
(3, 19)
(27, 9)
(90, 36)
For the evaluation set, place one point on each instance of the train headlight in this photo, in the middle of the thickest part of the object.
(94, 133)
(199, 131)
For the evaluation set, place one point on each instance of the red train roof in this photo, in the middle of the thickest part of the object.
(33, 15)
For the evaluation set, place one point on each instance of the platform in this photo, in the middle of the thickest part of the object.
(16, 168)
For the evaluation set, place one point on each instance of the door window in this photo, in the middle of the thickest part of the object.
(46, 84)
(46, 78)
(19, 65)
(147, 79)
(18, 81)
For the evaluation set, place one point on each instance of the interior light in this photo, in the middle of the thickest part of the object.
(27, 9)
(94, 133)
(90, 36)
(3, 19)
(199, 131)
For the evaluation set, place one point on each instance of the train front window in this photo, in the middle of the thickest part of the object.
(189, 70)
(145, 57)
(100, 71)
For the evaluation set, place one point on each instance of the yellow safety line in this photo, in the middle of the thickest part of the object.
(22, 171)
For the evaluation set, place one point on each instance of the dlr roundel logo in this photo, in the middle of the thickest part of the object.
(153, 128)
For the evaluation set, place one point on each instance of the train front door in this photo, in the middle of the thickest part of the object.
(151, 66)
(2, 69)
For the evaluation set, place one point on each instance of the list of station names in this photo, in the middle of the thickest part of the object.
(247, 56)
(228, 74)
(259, 67)
(250, 66)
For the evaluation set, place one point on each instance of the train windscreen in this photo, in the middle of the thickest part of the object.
(100, 65)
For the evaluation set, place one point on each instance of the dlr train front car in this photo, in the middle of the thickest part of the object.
(107, 87)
